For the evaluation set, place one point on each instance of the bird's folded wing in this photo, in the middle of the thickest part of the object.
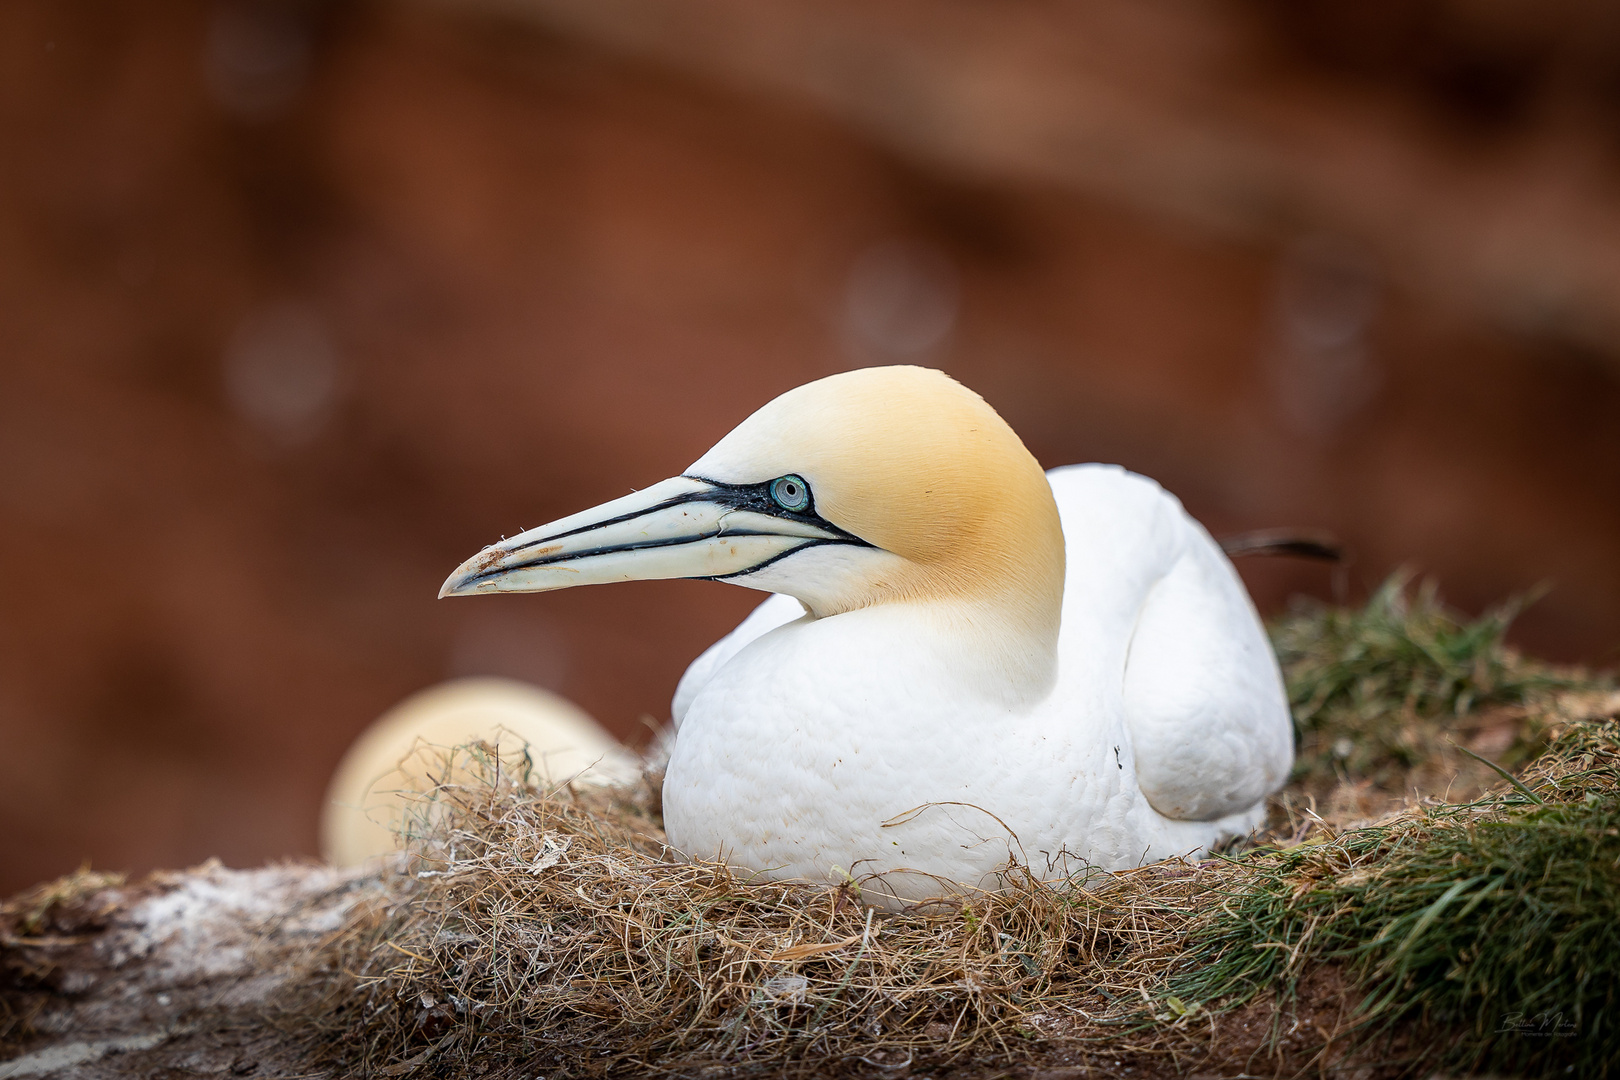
(1204, 701)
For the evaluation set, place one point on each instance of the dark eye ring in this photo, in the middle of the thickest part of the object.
(791, 493)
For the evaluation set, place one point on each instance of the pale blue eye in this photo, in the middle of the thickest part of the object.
(791, 493)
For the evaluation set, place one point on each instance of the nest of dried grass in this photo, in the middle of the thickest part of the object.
(545, 931)
(549, 928)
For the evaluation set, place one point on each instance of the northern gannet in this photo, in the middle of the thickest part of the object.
(971, 663)
(402, 755)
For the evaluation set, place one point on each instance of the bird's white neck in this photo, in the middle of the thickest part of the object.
(985, 649)
(998, 637)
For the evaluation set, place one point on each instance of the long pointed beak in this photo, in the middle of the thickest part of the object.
(683, 527)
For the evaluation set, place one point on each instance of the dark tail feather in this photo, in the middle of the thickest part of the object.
(1299, 543)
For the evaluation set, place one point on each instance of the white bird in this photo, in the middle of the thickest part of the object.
(972, 664)
(388, 774)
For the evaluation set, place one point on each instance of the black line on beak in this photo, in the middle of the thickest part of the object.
(638, 545)
(692, 496)
(778, 557)
(754, 498)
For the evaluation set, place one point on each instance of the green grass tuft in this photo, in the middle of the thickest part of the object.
(1376, 690)
(1498, 921)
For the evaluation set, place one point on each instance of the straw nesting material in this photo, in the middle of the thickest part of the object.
(550, 928)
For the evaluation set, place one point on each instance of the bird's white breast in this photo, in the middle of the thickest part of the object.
(807, 750)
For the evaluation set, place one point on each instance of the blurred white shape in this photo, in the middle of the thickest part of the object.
(1322, 371)
(256, 57)
(900, 302)
(515, 646)
(381, 791)
(282, 372)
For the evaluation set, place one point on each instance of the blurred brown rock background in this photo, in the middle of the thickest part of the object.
(302, 303)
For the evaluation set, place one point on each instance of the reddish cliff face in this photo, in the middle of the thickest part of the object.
(302, 307)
